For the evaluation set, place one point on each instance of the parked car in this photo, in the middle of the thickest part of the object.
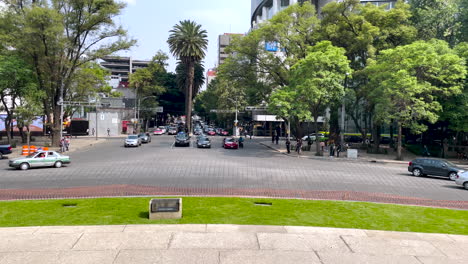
(353, 139)
(230, 143)
(182, 140)
(158, 131)
(462, 179)
(432, 166)
(40, 159)
(203, 142)
(132, 141)
(312, 136)
(145, 137)
(4, 150)
(172, 131)
(224, 133)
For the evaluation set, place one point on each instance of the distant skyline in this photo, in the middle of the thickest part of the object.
(149, 22)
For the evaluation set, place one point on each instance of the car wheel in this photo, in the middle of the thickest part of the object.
(465, 185)
(58, 164)
(24, 166)
(417, 172)
(453, 176)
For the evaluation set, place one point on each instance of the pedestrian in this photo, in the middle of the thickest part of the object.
(62, 144)
(322, 146)
(332, 149)
(277, 139)
(241, 142)
(299, 146)
(338, 150)
(288, 146)
(108, 132)
(92, 131)
(67, 143)
(309, 143)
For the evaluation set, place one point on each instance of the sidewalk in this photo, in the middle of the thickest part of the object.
(75, 144)
(362, 155)
(225, 244)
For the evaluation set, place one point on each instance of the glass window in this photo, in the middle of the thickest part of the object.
(284, 3)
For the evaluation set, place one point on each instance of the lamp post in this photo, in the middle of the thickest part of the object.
(343, 111)
(235, 121)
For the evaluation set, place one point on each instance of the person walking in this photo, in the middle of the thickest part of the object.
(67, 143)
(92, 131)
(62, 144)
(338, 150)
(299, 146)
(322, 146)
(332, 149)
(309, 143)
(241, 142)
(277, 138)
(108, 132)
(288, 146)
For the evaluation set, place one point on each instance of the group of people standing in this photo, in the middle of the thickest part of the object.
(65, 143)
(334, 149)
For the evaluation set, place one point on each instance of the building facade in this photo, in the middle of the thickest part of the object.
(262, 10)
(224, 41)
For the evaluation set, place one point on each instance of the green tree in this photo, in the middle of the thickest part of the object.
(364, 30)
(16, 81)
(60, 36)
(29, 110)
(188, 42)
(439, 19)
(409, 81)
(198, 77)
(318, 79)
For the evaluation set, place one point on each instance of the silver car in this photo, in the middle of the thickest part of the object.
(132, 141)
(40, 159)
(462, 179)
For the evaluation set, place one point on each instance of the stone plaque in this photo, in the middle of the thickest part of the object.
(352, 153)
(168, 208)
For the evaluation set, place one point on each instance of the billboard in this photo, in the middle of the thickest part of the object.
(36, 126)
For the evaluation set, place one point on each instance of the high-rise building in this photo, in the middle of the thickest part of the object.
(121, 68)
(224, 41)
(210, 76)
(262, 10)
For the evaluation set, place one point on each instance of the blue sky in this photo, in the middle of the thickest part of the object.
(149, 21)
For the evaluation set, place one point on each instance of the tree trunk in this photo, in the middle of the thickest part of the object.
(318, 150)
(22, 135)
(56, 126)
(188, 95)
(399, 155)
(376, 138)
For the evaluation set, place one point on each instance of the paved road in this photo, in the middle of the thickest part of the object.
(160, 164)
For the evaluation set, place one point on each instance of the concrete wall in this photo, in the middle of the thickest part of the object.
(106, 119)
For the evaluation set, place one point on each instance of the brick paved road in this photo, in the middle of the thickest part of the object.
(255, 167)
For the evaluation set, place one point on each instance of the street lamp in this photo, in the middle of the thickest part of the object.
(343, 110)
(235, 121)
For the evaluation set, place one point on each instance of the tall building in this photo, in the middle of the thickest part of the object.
(121, 67)
(224, 41)
(262, 10)
(210, 76)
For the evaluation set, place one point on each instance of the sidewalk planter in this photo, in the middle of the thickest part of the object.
(165, 209)
(352, 154)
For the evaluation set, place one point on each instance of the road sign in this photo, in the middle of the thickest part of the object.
(222, 111)
(256, 108)
(159, 109)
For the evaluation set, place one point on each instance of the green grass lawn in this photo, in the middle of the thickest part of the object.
(242, 211)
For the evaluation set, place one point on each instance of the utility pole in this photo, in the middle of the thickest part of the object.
(343, 112)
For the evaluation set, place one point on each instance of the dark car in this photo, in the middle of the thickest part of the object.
(432, 166)
(4, 150)
(182, 140)
(353, 139)
(203, 142)
(145, 137)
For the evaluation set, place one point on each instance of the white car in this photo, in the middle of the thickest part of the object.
(312, 136)
(462, 179)
(132, 141)
(163, 128)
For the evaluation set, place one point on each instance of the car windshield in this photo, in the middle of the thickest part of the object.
(142, 135)
(230, 140)
(181, 136)
(132, 137)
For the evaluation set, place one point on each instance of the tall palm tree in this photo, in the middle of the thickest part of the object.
(188, 42)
